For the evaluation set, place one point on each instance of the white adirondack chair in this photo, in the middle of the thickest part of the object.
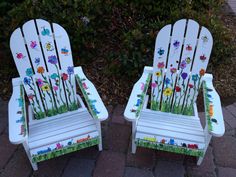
(59, 122)
(182, 52)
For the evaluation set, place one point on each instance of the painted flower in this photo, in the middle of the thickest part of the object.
(45, 87)
(195, 77)
(64, 76)
(19, 56)
(33, 44)
(54, 76)
(29, 72)
(173, 70)
(27, 80)
(167, 81)
(190, 85)
(52, 59)
(40, 70)
(31, 96)
(202, 72)
(158, 73)
(55, 88)
(167, 91)
(160, 51)
(176, 44)
(37, 61)
(189, 47)
(188, 60)
(203, 58)
(154, 85)
(204, 39)
(70, 70)
(177, 89)
(161, 65)
(40, 82)
(183, 64)
(184, 76)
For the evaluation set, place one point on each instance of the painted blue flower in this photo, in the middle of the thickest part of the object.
(29, 72)
(172, 141)
(27, 80)
(37, 61)
(52, 59)
(167, 81)
(70, 70)
(184, 76)
(54, 76)
(195, 77)
(160, 51)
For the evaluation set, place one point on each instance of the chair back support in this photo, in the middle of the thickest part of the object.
(182, 52)
(43, 58)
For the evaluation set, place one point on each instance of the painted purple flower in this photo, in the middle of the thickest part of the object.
(70, 70)
(183, 64)
(52, 59)
(55, 88)
(154, 85)
(176, 44)
(40, 82)
(184, 76)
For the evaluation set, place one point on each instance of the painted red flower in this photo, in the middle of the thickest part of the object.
(177, 89)
(31, 96)
(203, 57)
(190, 85)
(64, 76)
(161, 65)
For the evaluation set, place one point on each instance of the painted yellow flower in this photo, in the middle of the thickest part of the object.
(45, 87)
(158, 73)
(167, 91)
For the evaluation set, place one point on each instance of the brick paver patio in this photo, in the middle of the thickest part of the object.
(116, 159)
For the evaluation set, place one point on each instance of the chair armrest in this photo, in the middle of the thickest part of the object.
(92, 98)
(213, 110)
(138, 94)
(18, 132)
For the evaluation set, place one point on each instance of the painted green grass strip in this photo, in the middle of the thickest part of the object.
(142, 96)
(22, 95)
(169, 148)
(65, 150)
(88, 101)
(207, 106)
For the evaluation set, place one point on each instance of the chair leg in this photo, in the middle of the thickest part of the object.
(134, 147)
(199, 161)
(100, 135)
(34, 165)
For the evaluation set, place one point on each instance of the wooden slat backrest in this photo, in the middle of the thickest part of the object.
(46, 70)
(177, 78)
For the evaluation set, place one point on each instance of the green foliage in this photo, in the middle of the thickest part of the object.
(121, 32)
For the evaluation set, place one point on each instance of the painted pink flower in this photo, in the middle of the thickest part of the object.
(19, 56)
(154, 85)
(161, 65)
(31, 96)
(40, 82)
(33, 44)
(142, 86)
(85, 86)
(55, 88)
(203, 58)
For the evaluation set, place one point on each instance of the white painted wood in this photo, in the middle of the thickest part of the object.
(65, 57)
(98, 124)
(52, 62)
(26, 147)
(93, 96)
(25, 70)
(159, 63)
(61, 142)
(17, 115)
(134, 147)
(218, 129)
(131, 108)
(177, 39)
(190, 42)
(201, 59)
(178, 140)
(37, 60)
